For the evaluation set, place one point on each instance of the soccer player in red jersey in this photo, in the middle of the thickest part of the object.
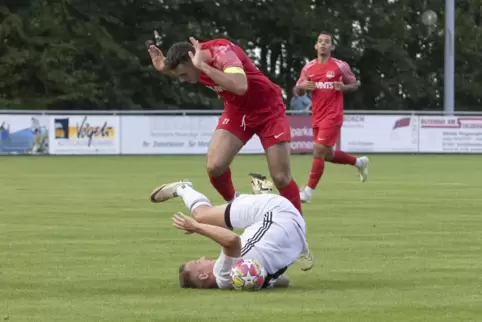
(327, 78)
(252, 105)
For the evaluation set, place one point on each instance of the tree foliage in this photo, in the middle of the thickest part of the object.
(73, 54)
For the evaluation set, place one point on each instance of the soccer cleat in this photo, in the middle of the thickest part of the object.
(363, 168)
(167, 191)
(305, 197)
(260, 184)
(306, 260)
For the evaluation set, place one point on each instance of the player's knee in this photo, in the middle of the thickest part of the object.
(321, 151)
(281, 179)
(215, 168)
(198, 215)
(330, 154)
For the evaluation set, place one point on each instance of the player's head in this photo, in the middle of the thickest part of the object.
(324, 44)
(197, 274)
(180, 64)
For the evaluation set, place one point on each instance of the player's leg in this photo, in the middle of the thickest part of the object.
(240, 213)
(278, 156)
(275, 137)
(361, 163)
(325, 139)
(201, 208)
(198, 204)
(323, 150)
(228, 138)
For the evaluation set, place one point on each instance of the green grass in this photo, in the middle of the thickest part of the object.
(80, 241)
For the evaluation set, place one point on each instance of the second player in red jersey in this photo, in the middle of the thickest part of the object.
(327, 78)
(252, 105)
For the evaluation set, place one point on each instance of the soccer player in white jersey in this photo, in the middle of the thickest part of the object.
(274, 234)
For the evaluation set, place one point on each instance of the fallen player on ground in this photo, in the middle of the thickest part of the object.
(274, 234)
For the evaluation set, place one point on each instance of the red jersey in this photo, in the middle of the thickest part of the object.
(263, 98)
(327, 102)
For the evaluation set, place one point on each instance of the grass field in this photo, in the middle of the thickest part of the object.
(80, 241)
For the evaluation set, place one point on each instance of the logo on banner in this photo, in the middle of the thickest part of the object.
(301, 134)
(83, 130)
(4, 131)
(442, 134)
(403, 122)
(452, 123)
(23, 134)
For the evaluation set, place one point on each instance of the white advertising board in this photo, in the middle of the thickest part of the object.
(172, 135)
(24, 134)
(439, 134)
(380, 133)
(80, 134)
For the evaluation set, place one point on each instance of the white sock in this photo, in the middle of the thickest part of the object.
(308, 191)
(358, 163)
(192, 198)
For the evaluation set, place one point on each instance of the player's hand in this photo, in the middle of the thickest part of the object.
(157, 57)
(198, 58)
(339, 85)
(307, 85)
(183, 222)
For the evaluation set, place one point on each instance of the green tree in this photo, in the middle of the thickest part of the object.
(73, 54)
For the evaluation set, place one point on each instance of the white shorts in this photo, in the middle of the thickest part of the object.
(274, 230)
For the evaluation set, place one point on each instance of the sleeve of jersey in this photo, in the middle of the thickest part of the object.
(348, 76)
(222, 270)
(226, 60)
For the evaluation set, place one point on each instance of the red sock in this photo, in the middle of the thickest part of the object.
(317, 168)
(292, 193)
(341, 157)
(224, 185)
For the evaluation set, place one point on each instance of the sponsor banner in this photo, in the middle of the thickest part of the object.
(377, 133)
(24, 134)
(167, 134)
(172, 135)
(301, 134)
(440, 134)
(74, 134)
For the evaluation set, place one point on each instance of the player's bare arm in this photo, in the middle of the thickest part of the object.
(304, 84)
(236, 83)
(233, 80)
(351, 87)
(347, 87)
(158, 59)
(230, 241)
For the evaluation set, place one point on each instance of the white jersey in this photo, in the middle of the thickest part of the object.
(274, 234)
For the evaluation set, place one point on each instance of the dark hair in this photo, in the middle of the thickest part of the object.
(326, 33)
(178, 54)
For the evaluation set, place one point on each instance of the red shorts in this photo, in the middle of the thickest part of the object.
(271, 132)
(327, 136)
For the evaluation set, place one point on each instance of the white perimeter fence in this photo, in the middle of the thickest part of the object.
(166, 132)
